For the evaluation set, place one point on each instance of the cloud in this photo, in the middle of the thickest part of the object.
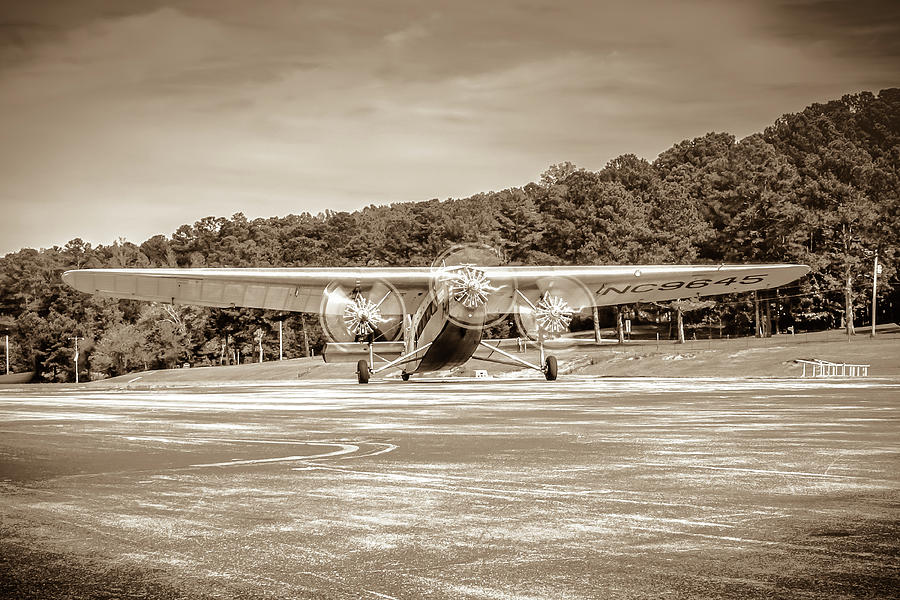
(863, 28)
(133, 118)
(404, 37)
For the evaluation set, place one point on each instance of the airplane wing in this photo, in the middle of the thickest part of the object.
(587, 286)
(287, 289)
(303, 289)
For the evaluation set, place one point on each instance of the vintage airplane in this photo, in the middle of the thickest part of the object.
(425, 319)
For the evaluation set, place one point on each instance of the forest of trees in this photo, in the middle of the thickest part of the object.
(820, 187)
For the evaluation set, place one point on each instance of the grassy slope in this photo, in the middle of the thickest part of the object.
(771, 357)
(744, 357)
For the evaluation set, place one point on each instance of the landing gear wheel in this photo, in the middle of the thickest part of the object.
(404, 376)
(550, 368)
(362, 371)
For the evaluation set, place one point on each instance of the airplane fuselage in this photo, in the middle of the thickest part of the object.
(451, 331)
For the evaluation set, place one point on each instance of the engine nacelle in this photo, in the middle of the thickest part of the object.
(369, 312)
(547, 311)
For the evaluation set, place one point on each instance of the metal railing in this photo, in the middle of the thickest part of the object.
(824, 368)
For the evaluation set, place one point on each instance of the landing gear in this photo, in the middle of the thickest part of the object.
(404, 376)
(362, 371)
(550, 368)
(546, 366)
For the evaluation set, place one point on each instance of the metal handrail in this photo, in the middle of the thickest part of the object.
(824, 368)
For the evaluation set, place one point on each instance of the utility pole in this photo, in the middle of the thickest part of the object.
(280, 340)
(756, 313)
(595, 313)
(7, 354)
(305, 336)
(875, 271)
(76, 338)
(258, 335)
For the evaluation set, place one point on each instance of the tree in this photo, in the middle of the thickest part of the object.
(121, 350)
(165, 335)
(558, 173)
(687, 305)
(769, 224)
(519, 225)
(125, 254)
(159, 252)
(846, 153)
(702, 169)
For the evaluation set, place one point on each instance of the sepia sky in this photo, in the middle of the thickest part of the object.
(132, 117)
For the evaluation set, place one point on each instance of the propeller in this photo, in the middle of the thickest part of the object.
(470, 286)
(553, 313)
(475, 301)
(359, 312)
(362, 317)
(546, 310)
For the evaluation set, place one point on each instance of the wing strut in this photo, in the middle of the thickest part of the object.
(513, 357)
(405, 358)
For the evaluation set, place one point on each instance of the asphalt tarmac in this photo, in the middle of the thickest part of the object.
(506, 490)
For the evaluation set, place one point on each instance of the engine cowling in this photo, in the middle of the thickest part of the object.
(474, 300)
(547, 310)
(372, 311)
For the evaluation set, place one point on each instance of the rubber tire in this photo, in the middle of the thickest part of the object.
(404, 376)
(362, 371)
(550, 368)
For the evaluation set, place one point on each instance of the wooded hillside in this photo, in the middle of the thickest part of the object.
(820, 187)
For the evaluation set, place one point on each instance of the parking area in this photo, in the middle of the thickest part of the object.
(580, 488)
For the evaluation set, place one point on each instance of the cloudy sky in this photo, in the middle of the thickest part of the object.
(132, 117)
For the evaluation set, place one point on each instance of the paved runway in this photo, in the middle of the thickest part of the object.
(507, 490)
